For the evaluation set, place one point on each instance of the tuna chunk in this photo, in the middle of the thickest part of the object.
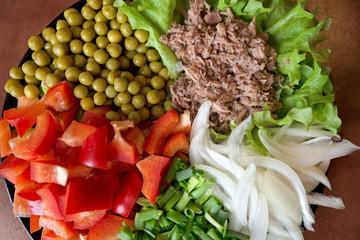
(225, 61)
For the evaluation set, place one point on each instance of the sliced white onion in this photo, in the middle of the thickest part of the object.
(326, 201)
(201, 120)
(261, 222)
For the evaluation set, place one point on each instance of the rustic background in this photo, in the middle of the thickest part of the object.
(19, 19)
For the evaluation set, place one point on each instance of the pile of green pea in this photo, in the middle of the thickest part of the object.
(102, 58)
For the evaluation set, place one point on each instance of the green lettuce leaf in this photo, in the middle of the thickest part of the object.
(155, 18)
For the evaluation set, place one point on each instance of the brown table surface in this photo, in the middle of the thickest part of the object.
(21, 19)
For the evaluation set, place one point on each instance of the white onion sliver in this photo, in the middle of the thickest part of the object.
(222, 180)
(326, 201)
(261, 222)
(316, 174)
(241, 197)
(201, 119)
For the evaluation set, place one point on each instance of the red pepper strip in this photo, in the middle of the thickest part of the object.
(60, 228)
(61, 97)
(153, 169)
(160, 131)
(5, 136)
(94, 150)
(24, 119)
(125, 197)
(178, 142)
(76, 134)
(48, 172)
(93, 193)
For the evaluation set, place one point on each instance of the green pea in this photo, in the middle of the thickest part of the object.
(80, 91)
(112, 116)
(72, 74)
(31, 80)
(139, 60)
(157, 111)
(110, 91)
(141, 35)
(124, 97)
(86, 78)
(138, 101)
(168, 105)
(9, 83)
(31, 91)
(112, 64)
(93, 67)
(134, 87)
(153, 97)
(120, 84)
(157, 82)
(16, 73)
(16, 90)
(126, 109)
(99, 85)
(87, 103)
(135, 116)
(144, 113)
(156, 66)
(126, 29)
(99, 98)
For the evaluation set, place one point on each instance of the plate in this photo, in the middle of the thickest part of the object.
(344, 114)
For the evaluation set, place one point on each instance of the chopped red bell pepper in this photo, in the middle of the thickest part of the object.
(76, 134)
(24, 119)
(34, 223)
(93, 193)
(101, 110)
(20, 205)
(59, 227)
(40, 141)
(160, 131)
(49, 172)
(5, 136)
(94, 150)
(108, 227)
(125, 197)
(153, 169)
(50, 200)
(61, 97)
(119, 167)
(98, 120)
(184, 124)
(178, 142)
(120, 149)
(85, 220)
(135, 136)
(64, 119)
(25, 102)
(12, 166)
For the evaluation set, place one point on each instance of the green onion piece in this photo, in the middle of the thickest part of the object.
(225, 228)
(194, 207)
(147, 235)
(125, 233)
(177, 217)
(185, 174)
(167, 195)
(145, 203)
(177, 233)
(202, 189)
(170, 175)
(193, 181)
(222, 216)
(164, 223)
(189, 226)
(163, 236)
(212, 233)
(138, 225)
(183, 202)
(200, 233)
(150, 224)
(172, 201)
(212, 206)
(183, 184)
(137, 235)
(181, 166)
(213, 222)
(200, 220)
(203, 198)
(237, 235)
(189, 213)
(149, 214)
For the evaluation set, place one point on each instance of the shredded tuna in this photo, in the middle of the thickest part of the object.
(225, 61)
